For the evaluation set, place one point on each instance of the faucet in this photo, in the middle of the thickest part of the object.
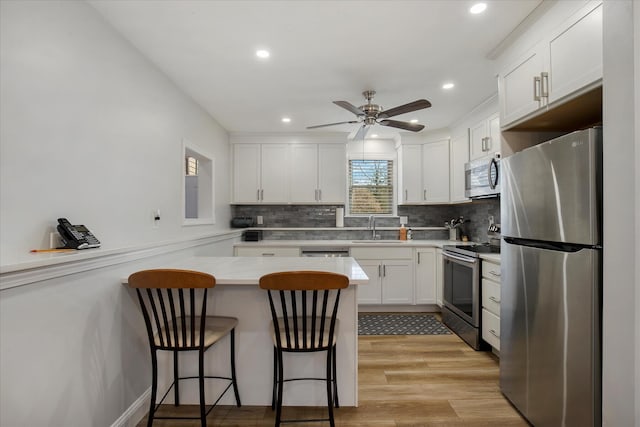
(372, 226)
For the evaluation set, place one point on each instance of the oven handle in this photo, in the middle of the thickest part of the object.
(459, 257)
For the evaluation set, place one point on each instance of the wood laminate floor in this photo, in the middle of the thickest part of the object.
(404, 381)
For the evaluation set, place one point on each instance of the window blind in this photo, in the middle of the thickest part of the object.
(370, 187)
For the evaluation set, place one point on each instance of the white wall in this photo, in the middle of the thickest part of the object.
(621, 355)
(90, 130)
(93, 132)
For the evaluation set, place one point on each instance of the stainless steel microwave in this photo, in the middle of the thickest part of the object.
(482, 178)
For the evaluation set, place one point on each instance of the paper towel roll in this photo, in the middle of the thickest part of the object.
(339, 217)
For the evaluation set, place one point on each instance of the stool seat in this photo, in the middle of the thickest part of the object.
(215, 328)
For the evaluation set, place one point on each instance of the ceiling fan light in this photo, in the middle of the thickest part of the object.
(448, 85)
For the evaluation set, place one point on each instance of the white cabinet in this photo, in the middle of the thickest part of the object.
(261, 173)
(426, 276)
(459, 157)
(275, 251)
(439, 277)
(484, 138)
(425, 173)
(491, 303)
(568, 60)
(289, 173)
(390, 272)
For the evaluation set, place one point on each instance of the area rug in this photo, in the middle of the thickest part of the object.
(400, 324)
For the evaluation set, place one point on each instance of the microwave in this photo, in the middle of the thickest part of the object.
(482, 178)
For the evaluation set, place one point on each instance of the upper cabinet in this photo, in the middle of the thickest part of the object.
(424, 175)
(459, 156)
(318, 173)
(261, 173)
(484, 138)
(289, 173)
(562, 65)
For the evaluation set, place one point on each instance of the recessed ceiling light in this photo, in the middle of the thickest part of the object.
(413, 121)
(448, 85)
(262, 54)
(478, 8)
(375, 135)
(286, 120)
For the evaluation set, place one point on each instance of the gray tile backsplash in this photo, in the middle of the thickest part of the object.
(323, 216)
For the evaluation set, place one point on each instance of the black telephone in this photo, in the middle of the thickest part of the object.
(76, 236)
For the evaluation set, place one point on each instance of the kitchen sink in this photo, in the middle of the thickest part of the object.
(379, 241)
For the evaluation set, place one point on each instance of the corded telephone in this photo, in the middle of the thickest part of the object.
(76, 236)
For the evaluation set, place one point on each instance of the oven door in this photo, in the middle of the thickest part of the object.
(462, 286)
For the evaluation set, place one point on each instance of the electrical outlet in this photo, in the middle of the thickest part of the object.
(490, 219)
(259, 220)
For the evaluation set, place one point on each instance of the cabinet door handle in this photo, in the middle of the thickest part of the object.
(493, 273)
(262, 194)
(488, 143)
(268, 254)
(384, 271)
(483, 147)
(544, 84)
(258, 194)
(419, 257)
(536, 88)
(424, 194)
(494, 299)
(406, 195)
(493, 332)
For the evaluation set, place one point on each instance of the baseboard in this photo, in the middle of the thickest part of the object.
(134, 413)
(379, 308)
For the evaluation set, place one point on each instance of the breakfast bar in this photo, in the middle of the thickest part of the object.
(237, 294)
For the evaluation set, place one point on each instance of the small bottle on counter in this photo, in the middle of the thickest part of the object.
(402, 234)
(409, 234)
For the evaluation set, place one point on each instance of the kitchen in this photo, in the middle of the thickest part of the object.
(133, 88)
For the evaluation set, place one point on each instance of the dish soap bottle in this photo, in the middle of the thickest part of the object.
(402, 235)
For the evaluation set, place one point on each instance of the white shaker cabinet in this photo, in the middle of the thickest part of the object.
(484, 138)
(425, 173)
(390, 272)
(318, 173)
(260, 173)
(560, 66)
(332, 172)
(491, 303)
(459, 157)
(426, 276)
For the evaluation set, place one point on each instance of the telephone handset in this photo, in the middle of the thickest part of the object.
(76, 236)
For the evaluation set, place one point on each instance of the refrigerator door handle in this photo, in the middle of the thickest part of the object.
(493, 164)
(554, 246)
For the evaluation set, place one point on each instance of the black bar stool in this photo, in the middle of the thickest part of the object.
(304, 308)
(174, 307)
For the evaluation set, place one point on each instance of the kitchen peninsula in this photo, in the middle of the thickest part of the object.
(237, 294)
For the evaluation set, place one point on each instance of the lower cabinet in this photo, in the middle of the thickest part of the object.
(390, 272)
(267, 251)
(426, 276)
(491, 303)
(439, 278)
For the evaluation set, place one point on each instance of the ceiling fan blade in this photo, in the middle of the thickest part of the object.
(362, 132)
(349, 106)
(413, 127)
(406, 108)
(332, 124)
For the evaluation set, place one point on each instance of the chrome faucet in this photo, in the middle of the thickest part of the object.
(372, 226)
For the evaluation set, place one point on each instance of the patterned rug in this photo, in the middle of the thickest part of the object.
(400, 324)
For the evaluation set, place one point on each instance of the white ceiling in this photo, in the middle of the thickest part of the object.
(321, 51)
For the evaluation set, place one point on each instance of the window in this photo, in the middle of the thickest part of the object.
(198, 172)
(370, 187)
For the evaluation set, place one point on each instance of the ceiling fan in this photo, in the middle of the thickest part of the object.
(370, 114)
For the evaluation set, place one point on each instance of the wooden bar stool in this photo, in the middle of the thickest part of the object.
(304, 308)
(174, 307)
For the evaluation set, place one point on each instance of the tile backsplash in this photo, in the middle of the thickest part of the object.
(323, 216)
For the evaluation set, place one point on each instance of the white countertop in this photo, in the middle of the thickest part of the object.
(491, 257)
(248, 270)
(350, 243)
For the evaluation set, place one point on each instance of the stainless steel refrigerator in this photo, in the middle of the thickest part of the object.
(551, 292)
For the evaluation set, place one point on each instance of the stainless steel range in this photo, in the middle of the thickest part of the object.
(462, 301)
